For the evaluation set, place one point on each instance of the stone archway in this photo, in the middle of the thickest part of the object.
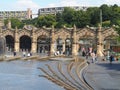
(68, 46)
(25, 43)
(43, 44)
(87, 44)
(9, 43)
(109, 42)
(59, 45)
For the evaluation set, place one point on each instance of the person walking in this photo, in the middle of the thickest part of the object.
(93, 57)
(14, 53)
(111, 59)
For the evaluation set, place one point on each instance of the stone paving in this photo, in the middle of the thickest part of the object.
(102, 75)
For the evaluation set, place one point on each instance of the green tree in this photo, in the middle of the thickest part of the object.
(106, 12)
(95, 17)
(15, 22)
(115, 17)
(68, 16)
(59, 20)
(6, 22)
(81, 18)
(117, 28)
(46, 20)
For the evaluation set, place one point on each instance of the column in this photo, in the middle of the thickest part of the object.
(99, 42)
(63, 46)
(34, 47)
(34, 42)
(74, 43)
(52, 50)
(77, 47)
(0, 31)
(16, 44)
(9, 24)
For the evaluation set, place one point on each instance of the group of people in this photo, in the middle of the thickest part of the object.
(89, 52)
(23, 53)
(27, 54)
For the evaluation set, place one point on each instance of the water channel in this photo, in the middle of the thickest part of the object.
(24, 75)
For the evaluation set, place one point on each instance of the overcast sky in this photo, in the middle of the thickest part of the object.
(11, 5)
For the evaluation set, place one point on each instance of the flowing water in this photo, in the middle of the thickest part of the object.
(24, 75)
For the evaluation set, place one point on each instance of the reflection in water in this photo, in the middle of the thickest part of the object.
(23, 75)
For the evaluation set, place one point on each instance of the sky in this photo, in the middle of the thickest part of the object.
(34, 5)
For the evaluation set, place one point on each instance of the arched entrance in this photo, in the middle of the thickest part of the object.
(25, 43)
(68, 46)
(43, 44)
(87, 45)
(59, 45)
(9, 43)
(110, 43)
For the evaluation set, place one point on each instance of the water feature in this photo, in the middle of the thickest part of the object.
(24, 75)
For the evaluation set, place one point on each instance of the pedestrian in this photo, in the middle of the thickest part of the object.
(111, 59)
(14, 53)
(87, 54)
(93, 57)
(28, 54)
(24, 53)
(48, 53)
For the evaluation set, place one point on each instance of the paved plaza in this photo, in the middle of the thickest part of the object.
(102, 75)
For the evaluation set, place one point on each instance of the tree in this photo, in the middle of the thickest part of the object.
(46, 20)
(106, 12)
(68, 15)
(115, 17)
(95, 17)
(15, 22)
(117, 28)
(81, 18)
(59, 20)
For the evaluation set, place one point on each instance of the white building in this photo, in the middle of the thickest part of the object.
(16, 14)
(54, 10)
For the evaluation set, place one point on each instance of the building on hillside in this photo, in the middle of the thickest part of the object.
(22, 15)
(1, 23)
(54, 10)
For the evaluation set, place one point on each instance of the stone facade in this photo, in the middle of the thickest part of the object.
(64, 39)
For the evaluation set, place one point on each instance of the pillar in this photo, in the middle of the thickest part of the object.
(52, 50)
(34, 42)
(77, 47)
(74, 43)
(34, 47)
(63, 45)
(0, 31)
(9, 24)
(16, 44)
(99, 42)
